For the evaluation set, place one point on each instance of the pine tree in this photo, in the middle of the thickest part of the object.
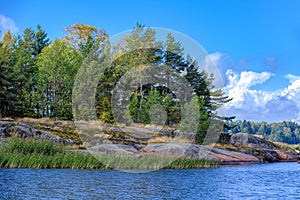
(133, 107)
(24, 72)
(131, 56)
(7, 48)
(41, 40)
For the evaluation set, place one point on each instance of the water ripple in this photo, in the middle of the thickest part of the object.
(263, 181)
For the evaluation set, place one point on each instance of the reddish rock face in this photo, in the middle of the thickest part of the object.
(228, 157)
(264, 150)
(286, 156)
(245, 139)
(247, 148)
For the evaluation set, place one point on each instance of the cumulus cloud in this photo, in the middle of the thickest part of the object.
(292, 93)
(250, 103)
(261, 105)
(7, 23)
(292, 90)
(238, 88)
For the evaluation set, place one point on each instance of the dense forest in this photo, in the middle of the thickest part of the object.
(288, 132)
(37, 77)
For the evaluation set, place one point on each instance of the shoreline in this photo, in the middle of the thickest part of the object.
(237, 149)
(46, 155)
(19, 153)
(221, 165)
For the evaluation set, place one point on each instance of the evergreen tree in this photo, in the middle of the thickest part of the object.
(41, 40)
(195, 119)
(24, 72)
(7, 48)
(37, 78)
(20, 72)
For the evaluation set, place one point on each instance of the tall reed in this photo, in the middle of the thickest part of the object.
(17, 153)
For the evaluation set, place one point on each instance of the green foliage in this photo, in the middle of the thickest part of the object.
(38, 78)
(19, 72)
(134, 109)
(187, 163)
(154, 108)
(57, 67)
(172, 109)
(18, 146)
(287, 132)
(7, 46)
(195, 119)
(153, 162)
(35, 154)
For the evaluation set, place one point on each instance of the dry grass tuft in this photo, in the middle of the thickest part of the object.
(159, 140)
(6, 119)
(48, 121)
(225, 146)
(165, 139)
(288, 147)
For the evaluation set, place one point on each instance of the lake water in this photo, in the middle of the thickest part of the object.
(261, 181)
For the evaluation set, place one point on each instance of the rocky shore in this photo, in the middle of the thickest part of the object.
(54, 132)
(236, 149)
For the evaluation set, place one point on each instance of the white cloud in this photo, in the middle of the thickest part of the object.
(250, 103)
(292, 92)
(249, 78)
(261, 105)
(7, 23)
(238, 88)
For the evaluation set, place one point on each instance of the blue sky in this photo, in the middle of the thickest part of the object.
(256, 44)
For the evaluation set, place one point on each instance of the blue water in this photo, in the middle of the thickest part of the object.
(262, 181)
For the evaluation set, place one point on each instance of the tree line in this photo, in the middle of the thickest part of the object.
(287, 132)
(37, 77)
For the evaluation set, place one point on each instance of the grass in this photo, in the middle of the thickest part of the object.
(295, 147)
(17, 153)
(187, 163)
(154, 162)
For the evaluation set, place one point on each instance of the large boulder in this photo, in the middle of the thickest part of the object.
(264, 150)
(20, 131)
(25, 130)
(185, 135)
(167, 132)
(169, 149)
(245, 139)
(201, 152)
(268, 155)
(114, 149)
(47, 136)
(230, 157)
(4, 125)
